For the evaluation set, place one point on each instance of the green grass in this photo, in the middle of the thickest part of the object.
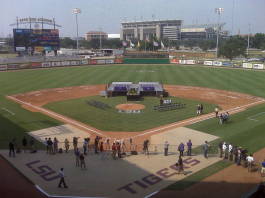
(112, 120)
(245, 81)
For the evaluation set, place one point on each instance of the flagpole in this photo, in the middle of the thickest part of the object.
(145, 45)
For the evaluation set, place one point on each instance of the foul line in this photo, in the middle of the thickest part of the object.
(73, 122)
(60, 196)
(5, 109)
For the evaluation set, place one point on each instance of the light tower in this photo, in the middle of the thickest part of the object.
(219, 11)
(77, 11)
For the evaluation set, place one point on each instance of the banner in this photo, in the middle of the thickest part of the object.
(65, 63)
(118, 60)
(46, 64)
(109, 61)
(25, 65)
(190, 62)
(247, 65)
(101, 62)
(258, 66)
(217, 63)
(84, 62)
(3, 67)
(56, 64)
(35, 65)
(174, 61)
(93, 62)
(182, 62)
(75, 63)
(208, 62)
(12, 66)
(226, 63)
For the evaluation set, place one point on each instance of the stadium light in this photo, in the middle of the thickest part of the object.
(219, 11)
(77, 11)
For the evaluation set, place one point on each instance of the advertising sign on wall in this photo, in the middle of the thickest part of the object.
(84, 62)
(217, 63)
(174, 61)
(101, 62)
(225, 63)
(208, 62)
(3, 67)
(182, 62)
(56, 64)
(109, 61)
(117, 60)
(247, 65)
(258, 66)
(190, 62)
(65, 63)
(46, 64)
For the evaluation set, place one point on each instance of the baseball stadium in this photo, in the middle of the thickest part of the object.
(161, 110)
(131, 103)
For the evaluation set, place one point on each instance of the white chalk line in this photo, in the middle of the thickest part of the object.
(7, 110)
(48, 195)
(254, 116)
(73, 122)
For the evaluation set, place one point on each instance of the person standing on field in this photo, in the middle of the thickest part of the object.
(166, 148)
(205, 149)
(66, 145)
(61, 174)
(189, 145)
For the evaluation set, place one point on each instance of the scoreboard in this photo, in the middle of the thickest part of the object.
(36, 39)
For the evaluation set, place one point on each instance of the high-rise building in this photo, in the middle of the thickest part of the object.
(146, 30)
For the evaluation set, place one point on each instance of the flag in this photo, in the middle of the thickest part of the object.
(155, 44)
(131, 44)
(162, 45)
(124, 43)
(138, 44)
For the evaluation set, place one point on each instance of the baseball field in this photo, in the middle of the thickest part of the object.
(28, 102)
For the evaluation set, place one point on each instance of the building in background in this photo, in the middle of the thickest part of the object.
(204, 31)
(96, 35)
(146, 30)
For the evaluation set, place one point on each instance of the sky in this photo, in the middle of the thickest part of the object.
(108, 14)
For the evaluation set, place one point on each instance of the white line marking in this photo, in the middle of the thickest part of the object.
(48, 195)
(5, 109)
(71, 121)
(150, 195)
(254, 116)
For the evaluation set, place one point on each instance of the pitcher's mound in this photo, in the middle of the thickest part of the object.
(130, 106)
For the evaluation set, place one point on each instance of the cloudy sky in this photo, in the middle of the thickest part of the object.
(107, 14)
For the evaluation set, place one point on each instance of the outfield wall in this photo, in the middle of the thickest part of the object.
(108, 61)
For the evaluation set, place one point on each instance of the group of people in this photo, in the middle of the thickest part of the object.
(26, 145)
(239, 155)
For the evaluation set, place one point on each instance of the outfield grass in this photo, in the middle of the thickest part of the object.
(13, 82)
(112, 120)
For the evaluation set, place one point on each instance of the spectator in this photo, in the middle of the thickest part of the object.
(263, 168)
(24, 144)
(220, 146)
(101, 148)
(205, 149)
(166, 145)
(50, 146)
(239, 156)
(114, 150)
(11, 149)
(181, 149)
(118, 147)
(82, 161)
(77, 156)
(55, 145)
(180, 165)
(230, 150)
(189, 145)
(224, 147)
(66, 145)
(145, 147)
(75, 142)
(47, 145)
(85, 143)
(96, 144)
(250, 161)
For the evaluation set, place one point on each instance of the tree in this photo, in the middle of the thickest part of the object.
(67, 43)
(233, 47)
(259, 41)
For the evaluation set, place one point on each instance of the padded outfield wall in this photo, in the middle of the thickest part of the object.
(146, 61)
